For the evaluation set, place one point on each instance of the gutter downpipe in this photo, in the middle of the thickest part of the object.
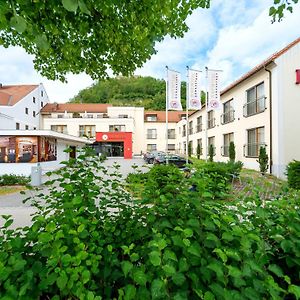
(271, 122)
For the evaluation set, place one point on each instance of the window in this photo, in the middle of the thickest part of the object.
(210, 120)
(228, 112)
(151, 134)
(76, 115)
(33, 99)
(171, 147)
(17, 126)
(123, 116)
(42, 104)
(184, 130)
(211, 141)
(59, 128)
(151, 118)
(255, 140)
(191, 127)
(117, 128)
(42, 93)
(33, 114)
(227, 138)
(199, 124)
(151, 147)
(26, 110)
(26, 127)
(90, 116)
(256, 100)
(184, 147)
(60, 116)
(171, 134)
(34, 128)
(87, 131)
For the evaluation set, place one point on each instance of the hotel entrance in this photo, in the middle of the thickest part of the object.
(112, 149)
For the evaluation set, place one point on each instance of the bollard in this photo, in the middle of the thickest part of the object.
(36, 175)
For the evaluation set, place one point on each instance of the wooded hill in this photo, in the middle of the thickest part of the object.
(148, 92)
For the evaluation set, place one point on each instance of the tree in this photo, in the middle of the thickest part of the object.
(263, 160)
(280, 7)
(211, 153)
(199, 151)
(90, 35)
(190, 150)
(231, 152)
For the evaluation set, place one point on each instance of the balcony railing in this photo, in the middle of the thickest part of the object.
(151, 136)
(199, 128)
(254, 107)
(252, 150)
(227, 117)
(225, 151)
(211, 123)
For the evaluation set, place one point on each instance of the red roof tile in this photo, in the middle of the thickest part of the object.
(12, 94)
(75, 107)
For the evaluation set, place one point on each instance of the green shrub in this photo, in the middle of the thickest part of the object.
(211, 153)
(137, 177)
(163, 181)
(199, 151)
(293, 174)
(263, 160)
(11, 179)
(88, 240)
(231, 152)
(190, 150)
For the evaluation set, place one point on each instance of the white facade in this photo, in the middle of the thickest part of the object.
(25, 112)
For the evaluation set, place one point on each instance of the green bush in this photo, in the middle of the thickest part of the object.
(211, 153)
(263, 160)
(199, 151)
(11, 179)
(137, 177)
(293, 174)
(231, 152)
(88, 240)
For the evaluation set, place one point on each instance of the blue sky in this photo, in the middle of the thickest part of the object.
(232, 35)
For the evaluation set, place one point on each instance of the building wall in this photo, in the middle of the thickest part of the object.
(287, 102)
(17, 111)
(7, 122)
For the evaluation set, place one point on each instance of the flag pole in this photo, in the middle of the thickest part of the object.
(167, 85)
(206, 118)
(187, 117)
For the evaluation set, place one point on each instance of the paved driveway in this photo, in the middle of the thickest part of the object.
(12, 204)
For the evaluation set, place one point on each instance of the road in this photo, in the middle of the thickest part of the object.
(12, 204)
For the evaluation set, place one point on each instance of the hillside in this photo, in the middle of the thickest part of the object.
(148, 92)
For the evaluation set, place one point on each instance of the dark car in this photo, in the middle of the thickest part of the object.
(149, 157)
(176, 160)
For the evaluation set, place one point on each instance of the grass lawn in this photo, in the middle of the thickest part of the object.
(4, 190)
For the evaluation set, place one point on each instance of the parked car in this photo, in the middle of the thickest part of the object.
(150, 156)
(177, 160)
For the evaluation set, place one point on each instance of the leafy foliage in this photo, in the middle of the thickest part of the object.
(90, 36)
(231, 151)
(12, 179)
(199, 151)
(211, 153)
(293, 174)
(88, 240)
(279, 8)
(190, 149)
(263, 160)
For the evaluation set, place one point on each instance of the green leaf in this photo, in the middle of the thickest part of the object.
(83, 7)
(90, 295)
(130, 292)
(178, 279)
(86, 275)
(41, 42)
(126, 267)
(169, 270)
(276, 270)
(139, 277)
(170, 255)
(155, 258)
(62, 280)
(195, 249)
(18, 23)
(295, 290)
(70, 5)
(209, 296)
(80, 228)
(188, 232)
(221, 254)
(45, 237)
(157, 289)
(77, 200)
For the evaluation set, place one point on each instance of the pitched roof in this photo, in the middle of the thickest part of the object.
(261, 65)
(75, 107)
(173, 116)
(12, 94)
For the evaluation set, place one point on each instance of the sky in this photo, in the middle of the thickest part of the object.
(231, 35)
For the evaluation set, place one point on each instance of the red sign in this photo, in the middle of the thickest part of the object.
(297, 76)
(125, 137)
